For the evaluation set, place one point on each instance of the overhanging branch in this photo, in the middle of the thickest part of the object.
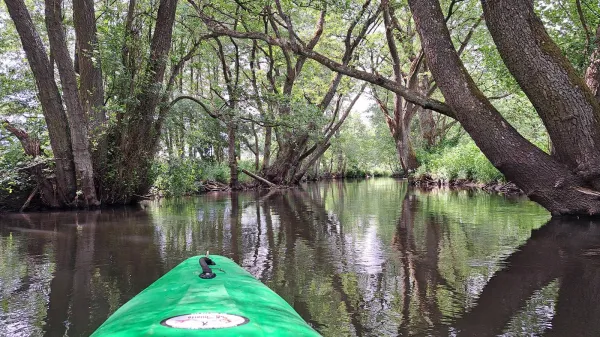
(284, 44)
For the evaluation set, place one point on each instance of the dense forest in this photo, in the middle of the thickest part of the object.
(103, 102)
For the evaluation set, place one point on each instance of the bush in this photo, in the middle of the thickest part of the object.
(184, 176)
(177, 176)
(463, 161)
(15, 182)
(355, 172)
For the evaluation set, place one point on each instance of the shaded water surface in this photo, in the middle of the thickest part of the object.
(368, 258)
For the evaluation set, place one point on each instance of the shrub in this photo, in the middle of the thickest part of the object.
(15, 182)
(184, 176)
(463, 161)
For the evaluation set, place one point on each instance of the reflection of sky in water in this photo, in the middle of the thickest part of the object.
(368, 250)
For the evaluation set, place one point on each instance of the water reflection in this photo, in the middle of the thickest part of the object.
(562, 252)
(354, 259)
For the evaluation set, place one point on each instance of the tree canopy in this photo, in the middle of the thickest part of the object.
(100, 93)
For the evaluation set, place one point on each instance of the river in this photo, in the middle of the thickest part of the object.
(356, 258)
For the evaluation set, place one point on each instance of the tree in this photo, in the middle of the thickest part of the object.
(566, 182)
(563, 183)
(307, 120)
(410, 70)
(96, 159)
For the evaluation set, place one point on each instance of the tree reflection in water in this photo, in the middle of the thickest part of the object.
(368, 258)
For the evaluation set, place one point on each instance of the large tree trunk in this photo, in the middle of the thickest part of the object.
(125, 175)
(55, 117)
(567, 107)
(408, 151)
(399, 121)
(91, 89)
(542, 177)
(82, 159)
(138, 139)
(290, 151)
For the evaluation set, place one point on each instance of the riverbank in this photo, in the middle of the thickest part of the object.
(426, 182)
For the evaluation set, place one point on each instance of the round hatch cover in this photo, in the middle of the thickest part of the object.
(205, 321)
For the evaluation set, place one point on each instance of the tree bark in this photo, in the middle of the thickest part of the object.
(427, 127)
(406, 152)
(267, 149)
(543, 178)
(91, 88)
(77, 118)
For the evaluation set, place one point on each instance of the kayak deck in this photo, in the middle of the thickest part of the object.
(181, 303)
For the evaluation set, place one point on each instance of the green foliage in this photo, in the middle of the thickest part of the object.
(186, 176)
(564, 25)
(15, 183)
(195, 144)
(177, 176)
(463, 161)
(365, 146)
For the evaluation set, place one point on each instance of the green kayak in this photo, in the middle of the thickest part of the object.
(206, 297)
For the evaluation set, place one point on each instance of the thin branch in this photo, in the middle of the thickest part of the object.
(585, 27)
(500, 96)
(199, 102)
(379, 80)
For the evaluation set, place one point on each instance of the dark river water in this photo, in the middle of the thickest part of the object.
(366, 258)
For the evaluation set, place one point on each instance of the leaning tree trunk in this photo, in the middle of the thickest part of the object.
(561, 98)
(544, 179)
(32, 147)
(54, 114)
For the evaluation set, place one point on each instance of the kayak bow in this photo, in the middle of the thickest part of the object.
(200, 299)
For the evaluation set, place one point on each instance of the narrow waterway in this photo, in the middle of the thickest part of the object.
(363, 258)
